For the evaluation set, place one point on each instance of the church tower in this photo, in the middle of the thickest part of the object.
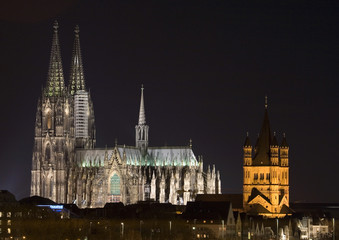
(141, 130)
(83, 105)
(64, 123)
(266, 180)
(54, 132)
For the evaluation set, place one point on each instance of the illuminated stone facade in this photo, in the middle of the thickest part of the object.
(68, 168)
(266, 174)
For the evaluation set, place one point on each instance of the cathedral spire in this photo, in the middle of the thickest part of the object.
(55, 80)
(141, 130)
(77, 80)
(142, 116)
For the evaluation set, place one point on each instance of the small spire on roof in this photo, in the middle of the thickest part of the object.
(247, 140)
(142, 116)
(284, 141)
(190, 142)
(266, 105)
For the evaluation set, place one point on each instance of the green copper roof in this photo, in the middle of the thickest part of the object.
(77, 80)
(55, 80)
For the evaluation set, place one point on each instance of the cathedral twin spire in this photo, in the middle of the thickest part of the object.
(77, 80)
(55, 81)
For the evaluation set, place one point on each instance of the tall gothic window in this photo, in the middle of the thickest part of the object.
(51, 187)
(43, 187)
(115, 194)
(48, 153)
(49, 120)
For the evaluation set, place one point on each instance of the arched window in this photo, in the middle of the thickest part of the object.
(51, 185)
(115, 193)
(43, 190)
(48, 153)
(49, 120)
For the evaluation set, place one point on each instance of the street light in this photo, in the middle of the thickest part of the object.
(122, 230)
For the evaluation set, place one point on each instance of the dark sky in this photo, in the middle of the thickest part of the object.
(206, 67)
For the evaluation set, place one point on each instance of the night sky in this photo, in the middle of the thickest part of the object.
(206, 67)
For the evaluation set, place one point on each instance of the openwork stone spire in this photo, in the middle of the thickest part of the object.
(142, 116)
(141, 130)
(77, 80)
(55, 80)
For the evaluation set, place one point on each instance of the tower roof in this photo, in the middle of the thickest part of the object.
(284, 141)
(247, 141)
(262, 156)
(55, 80)
(274, 141)
(77, 80)
(142, 116)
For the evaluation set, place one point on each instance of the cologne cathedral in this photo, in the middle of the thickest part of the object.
(68, 168)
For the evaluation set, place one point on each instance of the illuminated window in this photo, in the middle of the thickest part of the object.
(9, 223)
(49, 120)
(115, 188)
(115, 185)
(0, 214)
(9, 230)
(9, 214)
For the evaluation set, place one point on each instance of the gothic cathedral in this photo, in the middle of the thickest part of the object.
(266, 178)
(68, 168)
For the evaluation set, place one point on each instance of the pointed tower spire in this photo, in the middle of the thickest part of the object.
(141, 130)
(284, 141)
(55, 80)
(262, 153)
(77, 80)
(142, 116)
(247, 141)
